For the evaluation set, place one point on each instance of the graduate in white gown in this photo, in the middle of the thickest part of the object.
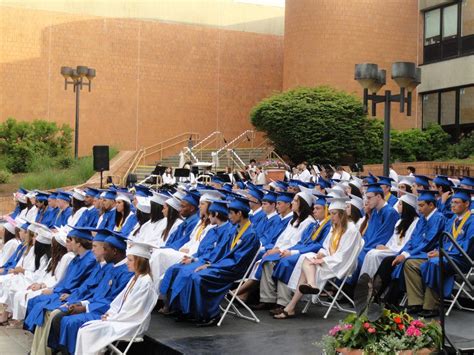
(163, 258)
(407, 207)
(152, 231)
(11, 240)
(313, 270)
(129, 311)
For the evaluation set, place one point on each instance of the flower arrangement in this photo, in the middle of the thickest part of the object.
(274, 164)
(392, 333)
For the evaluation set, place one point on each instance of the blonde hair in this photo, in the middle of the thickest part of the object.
(340, 228)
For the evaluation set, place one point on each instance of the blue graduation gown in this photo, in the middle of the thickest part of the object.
(108, 220)
(77, 272)
(392, 200)
(109, 287)
(422, 241)
(181, 235)
(206, 289)
(14, 258)
(445, 208)
(256, 218)
(175, 277)
(285, 266)
(430, 269)
(89, 218)
(130, 223)
(46, 216)
(272, 235)
(15, 212)
(62, 217)
(269, 229)
(379, 231)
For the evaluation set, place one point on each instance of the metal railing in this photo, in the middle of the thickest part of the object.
(215, 137)
(133, 166)
(158, 149)
(248, 134)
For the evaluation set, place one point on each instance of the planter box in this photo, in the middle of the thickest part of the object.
(274, 174)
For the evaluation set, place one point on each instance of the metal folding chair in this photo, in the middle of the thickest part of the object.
(461, 289)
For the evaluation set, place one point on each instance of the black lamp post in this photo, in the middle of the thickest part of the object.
(76, 77)
(406, 75)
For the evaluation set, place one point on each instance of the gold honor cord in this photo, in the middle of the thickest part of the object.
(239, 235)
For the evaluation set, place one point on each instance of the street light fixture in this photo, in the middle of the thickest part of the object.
(406, 75)
(76, 77)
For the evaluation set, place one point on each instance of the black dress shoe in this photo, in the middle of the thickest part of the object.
(414, 310)
(429, 313)
(210, 323)
(308, 290)
(262, 306)
(276, 310)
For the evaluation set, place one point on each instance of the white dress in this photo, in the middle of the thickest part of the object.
(374, 257)
(128, 311)
(336, 265)
(8, 250)
(163, 258)
(17, 304)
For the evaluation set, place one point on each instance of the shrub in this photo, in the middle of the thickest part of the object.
(5, 176)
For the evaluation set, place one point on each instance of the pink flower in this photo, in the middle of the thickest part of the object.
(335, 330)
(347, 326)
(366, 325)
(417, 323)
(371, 330)
(412, 331)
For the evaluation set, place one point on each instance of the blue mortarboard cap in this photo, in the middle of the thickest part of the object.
(442, 180)
(427, 195)
(192, 197)
(297, 183)
(463, 194)
(109, 195)
(281, 185)
(90, 191)
(217, 180)
(320, 199)
(422, 180)
(256, 193)
(240, 185)
(53, 196)
(385, 180)
(41, 197)
(324, 184)
(467, 180)
(270, 196)
(370, 179)
(240, 203)
(101, 234)
(117, 240)
(219, 206)
(84, 233)
(375, 188)
(311, 185)
(227, 187)
(21, 190)
(286, 197)
(143, 191)
(63, 196)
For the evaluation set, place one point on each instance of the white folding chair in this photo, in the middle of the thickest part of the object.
(316, 299)
(461, 289)
(134, 339)
(231, 297)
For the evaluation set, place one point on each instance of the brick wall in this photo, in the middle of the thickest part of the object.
(154, 80)
(429, 168)
(324, 39)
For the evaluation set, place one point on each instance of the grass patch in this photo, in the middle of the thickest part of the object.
(48, 176)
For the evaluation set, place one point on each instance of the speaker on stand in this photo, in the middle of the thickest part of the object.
(101, 159)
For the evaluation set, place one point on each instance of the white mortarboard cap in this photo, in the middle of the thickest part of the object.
(159, 198)
(336, 191)
(209, 195)
(356, 201)
(409, 198)
(143, 204)
(30, 194)
(123, 197)
(79, 194)
(406, 180)
(338, 203)
(179, 194)
(336, 176)
(307, 195)
(61, 238)
(143, 250)
(455, 182)
(345, 175)
(20, 197)
(174, 203)
(32, 228)
(9, 227)
(356, 182)
(44, 234)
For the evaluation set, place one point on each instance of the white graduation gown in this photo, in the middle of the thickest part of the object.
(153, 234)
(8, 249)
(292, 235)
(336, 265)
(374, 257)
(162, 259)
(125, 315)
(20, 299)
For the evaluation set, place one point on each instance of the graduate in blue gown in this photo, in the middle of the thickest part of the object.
(210, 283)
(64, 330)
(63, 201)
(285, 214)
(257, 215)
(77, 272)
(107, 218)
(125, 218)
(90, 217)
(46, 215)
(190, 213)
(467, 182)
(380, 226)
(270, 225)
(386, 185)
(444, 187)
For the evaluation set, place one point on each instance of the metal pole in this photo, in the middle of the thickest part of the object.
(76, 132)
(441, 293)
(386, 134)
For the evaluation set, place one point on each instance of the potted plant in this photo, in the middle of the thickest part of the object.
(274, 169)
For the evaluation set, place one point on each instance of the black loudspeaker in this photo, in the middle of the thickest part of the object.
(101, 157)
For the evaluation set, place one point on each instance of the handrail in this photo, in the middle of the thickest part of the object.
(179, 139)
(200, 145)
(239, 160)
(133, 166)
(237, 139)
(190, 151)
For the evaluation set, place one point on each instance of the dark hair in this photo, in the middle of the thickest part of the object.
(408, 188)
(156, 212)
(303, 213)
(8, 236)
(122, 216)
(57, 252)
(173, 215)
(381, 194)
(220, 216)
(355, 214)
(142, 217)
(86, 244)
(253, 161)
(406, 218)
(444, 188)
(412, 169)
(142, 265)
(366, 220)
(40, 250)
(76, 205)
(245, 214)
(22, 205)
(355, 190)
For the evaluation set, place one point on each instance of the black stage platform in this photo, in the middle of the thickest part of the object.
(291, 336)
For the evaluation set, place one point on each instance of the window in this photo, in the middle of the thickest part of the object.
(467, 20)
(450, 21)
(448, 108)
(430, 109)
(466, 109)
(432, 28)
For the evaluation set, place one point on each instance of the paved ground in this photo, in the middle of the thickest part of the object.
(14, 341)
